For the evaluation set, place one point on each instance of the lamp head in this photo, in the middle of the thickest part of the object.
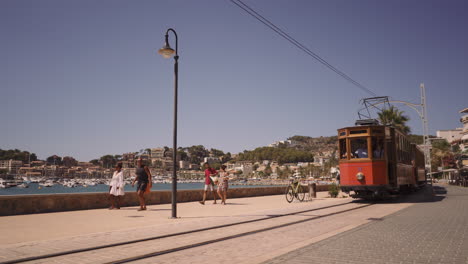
(166, 51)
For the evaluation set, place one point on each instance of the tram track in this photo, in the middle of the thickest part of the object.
(207, 242)
(193, 245)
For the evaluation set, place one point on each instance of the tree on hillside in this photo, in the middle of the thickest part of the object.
(33, 157)
(217, 152)
(148, 151)
(197, 153)
(226, 157)
(108, 161)
(69, 161)
(280, 155)
(54, 160)
(182, 154)
(94, 162)
(16, 154)
(303, 139)
(394, 117)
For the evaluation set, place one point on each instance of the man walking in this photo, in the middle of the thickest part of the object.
(209, 172)
(143, 177)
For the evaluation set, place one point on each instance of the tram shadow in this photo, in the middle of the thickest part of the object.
(427, 194)
(439, 190)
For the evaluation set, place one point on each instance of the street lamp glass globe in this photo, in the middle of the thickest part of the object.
(166, 51)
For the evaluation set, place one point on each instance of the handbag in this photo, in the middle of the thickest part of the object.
(214, 179)
(148, 187)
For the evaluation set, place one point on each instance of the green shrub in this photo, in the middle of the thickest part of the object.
(333, 190)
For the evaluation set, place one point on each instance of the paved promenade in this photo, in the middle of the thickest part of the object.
(431, 231)
(247, 230)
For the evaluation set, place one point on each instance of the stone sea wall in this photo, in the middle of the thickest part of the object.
(45, 203)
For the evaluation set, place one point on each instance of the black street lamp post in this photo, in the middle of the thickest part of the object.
(166, 51)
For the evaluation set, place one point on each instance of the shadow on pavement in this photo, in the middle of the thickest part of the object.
(135, 209)
(424, 195)
(439, 190)
(208, 216)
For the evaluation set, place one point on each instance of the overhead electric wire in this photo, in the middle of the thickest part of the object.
(299, 45)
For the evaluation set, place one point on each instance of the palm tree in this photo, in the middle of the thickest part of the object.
(148, 151)
(394, 117)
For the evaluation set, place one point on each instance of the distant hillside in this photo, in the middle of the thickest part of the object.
(318, 145)
(16, 154)
(329, 144)
(281, 155)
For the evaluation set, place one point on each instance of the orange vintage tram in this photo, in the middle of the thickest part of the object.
(376, 161)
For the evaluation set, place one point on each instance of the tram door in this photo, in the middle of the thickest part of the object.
(390, 156)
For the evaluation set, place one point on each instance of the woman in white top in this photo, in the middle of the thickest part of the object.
(116, 188)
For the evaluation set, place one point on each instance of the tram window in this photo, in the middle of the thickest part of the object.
(343, 150)
(359, 148)
(343, 133)
(378, 148)
(358, 132)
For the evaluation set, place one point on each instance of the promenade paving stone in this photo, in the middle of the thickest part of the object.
(435, 230)
(259, 247)
(254, 248)
(50, 226)
(32, 235)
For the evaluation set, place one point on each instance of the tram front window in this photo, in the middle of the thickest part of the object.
(378, 148)
(359, 148)
(343, 150)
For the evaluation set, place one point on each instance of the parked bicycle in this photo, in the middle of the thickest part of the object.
(295, 190)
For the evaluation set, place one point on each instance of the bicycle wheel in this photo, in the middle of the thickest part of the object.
(289, 194)
(300, 193)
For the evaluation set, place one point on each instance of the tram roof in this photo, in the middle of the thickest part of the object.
(365, 126)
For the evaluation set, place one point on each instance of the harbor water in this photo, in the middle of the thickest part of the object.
(35, 188)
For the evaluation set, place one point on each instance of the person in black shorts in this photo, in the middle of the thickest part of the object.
(143, 178)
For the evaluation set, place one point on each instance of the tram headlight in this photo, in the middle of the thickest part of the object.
(360, 176)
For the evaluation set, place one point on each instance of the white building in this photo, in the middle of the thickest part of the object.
(288, 143)
(194, 167)
(245, 167)
(304, 164)
(464, 121)
(157, 153)
(450, 135)
(211, 160)
(12, 166)
(321, 160)
(184, 165)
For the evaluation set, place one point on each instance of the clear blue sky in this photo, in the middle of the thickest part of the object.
(83, 78)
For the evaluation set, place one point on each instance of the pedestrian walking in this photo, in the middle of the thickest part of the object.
(210, 175)
(116, 187)
(144, 184)
(223, 184)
